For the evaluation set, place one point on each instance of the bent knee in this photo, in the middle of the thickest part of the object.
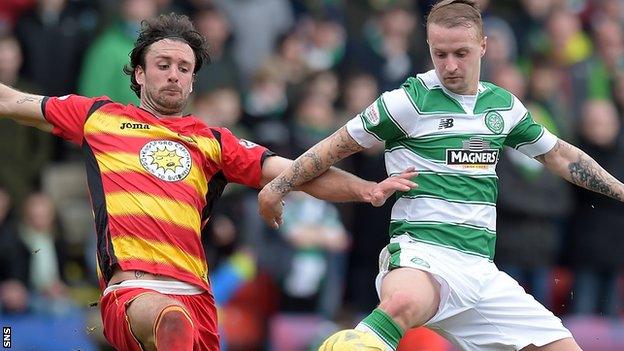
(172, 318)
(409, 309)
(173, 330)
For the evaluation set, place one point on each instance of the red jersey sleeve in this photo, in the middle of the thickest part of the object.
(67, 114)
(241, 160)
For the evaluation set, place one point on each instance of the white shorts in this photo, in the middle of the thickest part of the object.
(481, 308)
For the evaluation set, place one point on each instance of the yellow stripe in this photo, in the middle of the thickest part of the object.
(116, 162)
(101, 122)
(210, 148)
(128, 247)
(164, 209)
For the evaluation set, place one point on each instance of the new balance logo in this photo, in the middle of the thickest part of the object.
(445, 123)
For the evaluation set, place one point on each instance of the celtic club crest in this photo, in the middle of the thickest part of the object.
(494, 121)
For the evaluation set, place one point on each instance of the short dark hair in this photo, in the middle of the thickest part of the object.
(171, 26)
(453, 13)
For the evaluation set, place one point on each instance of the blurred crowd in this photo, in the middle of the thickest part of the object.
(286, 74)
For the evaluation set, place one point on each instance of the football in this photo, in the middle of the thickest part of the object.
(352, 340)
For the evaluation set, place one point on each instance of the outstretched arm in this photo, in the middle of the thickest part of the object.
(337, 185)
(577, 167)
(22, 107)
(309, 172)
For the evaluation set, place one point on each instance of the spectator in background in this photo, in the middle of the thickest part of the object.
(255, 36)
(324, 84)
(502, 47)
(529, 24)
(222, 71)
(25, 150)
(387, 47)
(326, 48)
(41, 254)
(546, 96)
(360, 90)
(567, 43)
(13, 293)
(595, 77)
(102, 72)
(35, 250)
(609, 38)
(596, 246)
(221, 107)
(54, 36)
(531, 205)
(315, 232)
(314, 120)
(264, 107)
(290, 58)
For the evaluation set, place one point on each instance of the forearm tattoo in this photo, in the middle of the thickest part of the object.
(26, 99)
(587, 173)
(316, 161)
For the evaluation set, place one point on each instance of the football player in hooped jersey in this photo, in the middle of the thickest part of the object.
(437, 270)
(153, 177)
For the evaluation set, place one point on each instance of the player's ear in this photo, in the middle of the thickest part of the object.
(483, 45)
(139, 75)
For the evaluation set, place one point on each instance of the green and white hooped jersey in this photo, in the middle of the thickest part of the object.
(454, 142)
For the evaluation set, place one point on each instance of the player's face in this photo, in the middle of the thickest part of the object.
(456, 53)
(167, 78)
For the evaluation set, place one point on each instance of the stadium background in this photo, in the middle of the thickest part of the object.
(286, 74)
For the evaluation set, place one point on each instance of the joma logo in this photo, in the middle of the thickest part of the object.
(127, 125)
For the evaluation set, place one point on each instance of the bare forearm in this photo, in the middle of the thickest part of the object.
(24, 108)
(578, 168)
(336, 185)
(315, 162)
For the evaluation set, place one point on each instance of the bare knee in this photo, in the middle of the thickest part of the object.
(407, 309)
(144, 314)
(171, 319)
(173, 329)
(410, 297)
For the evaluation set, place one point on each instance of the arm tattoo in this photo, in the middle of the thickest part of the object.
(587, 173)
(26, 99)
(556, 149)
(317, 160)
(139, 274)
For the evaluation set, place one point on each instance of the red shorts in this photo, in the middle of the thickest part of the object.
(117, 325)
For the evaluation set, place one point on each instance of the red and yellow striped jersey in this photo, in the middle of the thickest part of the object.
(152, 181)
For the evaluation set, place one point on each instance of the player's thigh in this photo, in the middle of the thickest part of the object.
(143, 312)
(567, 344)
(411, 294)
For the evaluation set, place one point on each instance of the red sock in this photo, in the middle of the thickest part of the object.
(173, 330)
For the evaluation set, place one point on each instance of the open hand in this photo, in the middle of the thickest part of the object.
(270, 207)
(400, 182)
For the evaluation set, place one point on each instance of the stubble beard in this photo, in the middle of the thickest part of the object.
(167, 105)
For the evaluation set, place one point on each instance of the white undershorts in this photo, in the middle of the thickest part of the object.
(481, 308)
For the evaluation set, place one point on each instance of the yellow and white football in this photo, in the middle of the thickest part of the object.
(352, 340)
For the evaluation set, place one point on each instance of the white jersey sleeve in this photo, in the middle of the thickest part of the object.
(383, 120)
(528, 136)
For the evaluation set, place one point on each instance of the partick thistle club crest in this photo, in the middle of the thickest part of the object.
(494, 121)
(167, 160)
